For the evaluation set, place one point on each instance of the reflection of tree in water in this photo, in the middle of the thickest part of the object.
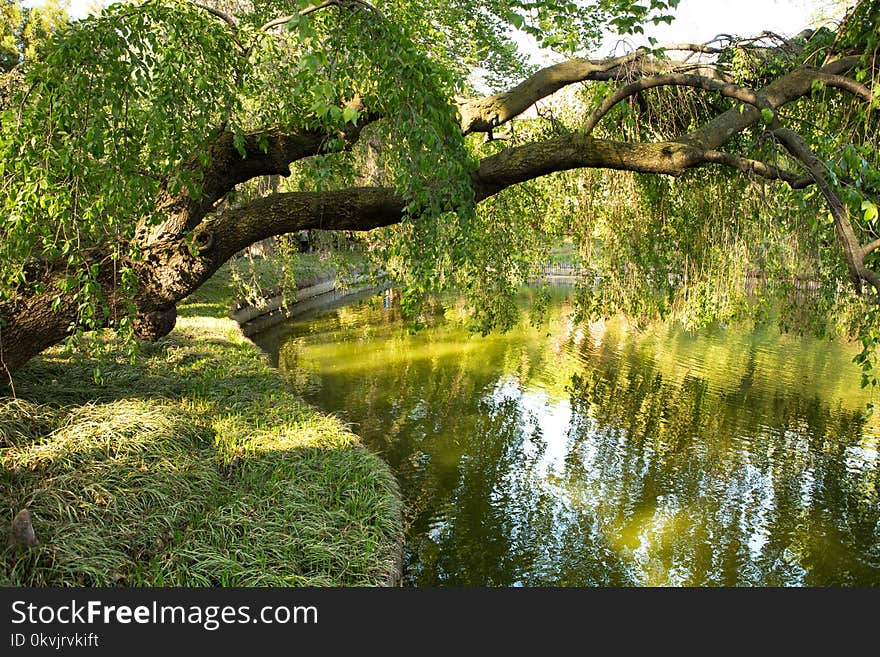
(454, 450)
(741, 487)
(661, 480)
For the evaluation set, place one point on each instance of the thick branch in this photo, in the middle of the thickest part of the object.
(484, 114)
(180, 272)
(847, 84)
(673, 79)
(266, 153)
(576, 151)
(29, 326)
(853, 251)
(758, 168)
(786, 89)
(870, 247)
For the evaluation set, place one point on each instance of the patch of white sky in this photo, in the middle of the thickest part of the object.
(82, 8)
(76, 8)
(700, 21)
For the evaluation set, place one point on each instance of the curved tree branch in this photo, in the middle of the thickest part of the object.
(870, 247)
(853, 251)
(265, 153)
(847, 84)
(673, 79)
(786, 89)
(485, 114)
(758, 168)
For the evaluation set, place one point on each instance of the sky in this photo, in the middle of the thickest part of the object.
(701, 20)
(82, 8)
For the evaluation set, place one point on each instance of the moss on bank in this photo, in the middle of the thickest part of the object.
(193, 466)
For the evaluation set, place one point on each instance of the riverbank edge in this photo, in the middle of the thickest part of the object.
(84, 544)
(273, 310)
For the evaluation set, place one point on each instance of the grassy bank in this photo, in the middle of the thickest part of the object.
(193, 466)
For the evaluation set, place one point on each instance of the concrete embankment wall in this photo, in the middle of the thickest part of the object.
(271, 309)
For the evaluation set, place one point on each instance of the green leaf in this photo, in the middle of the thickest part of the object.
(238, 143)
(350, 115)
(767, 115)
(870, 210)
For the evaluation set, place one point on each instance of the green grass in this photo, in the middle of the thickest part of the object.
(194, 466)
(564, 254)
(249, 276)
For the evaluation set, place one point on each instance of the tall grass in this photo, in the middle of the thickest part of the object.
(193, 466)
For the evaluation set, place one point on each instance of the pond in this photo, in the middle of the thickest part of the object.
(600, 455)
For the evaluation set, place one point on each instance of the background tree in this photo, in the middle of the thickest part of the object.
(23, 33)
(136, 125)
(24, 30)
(10, 29)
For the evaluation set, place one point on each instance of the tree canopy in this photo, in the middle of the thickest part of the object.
(704, 181)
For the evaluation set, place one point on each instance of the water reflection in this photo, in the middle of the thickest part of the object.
(595, 456)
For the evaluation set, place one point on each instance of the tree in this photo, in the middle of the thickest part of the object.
(10, 25)
(133, 128)
(24, 31)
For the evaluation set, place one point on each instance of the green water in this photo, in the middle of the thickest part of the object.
(603, 456)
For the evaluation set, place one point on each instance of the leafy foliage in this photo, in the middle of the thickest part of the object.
(120, 101)
(116, 114)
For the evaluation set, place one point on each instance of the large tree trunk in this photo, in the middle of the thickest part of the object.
(31, 325)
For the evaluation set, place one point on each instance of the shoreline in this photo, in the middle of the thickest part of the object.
(253, 319)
